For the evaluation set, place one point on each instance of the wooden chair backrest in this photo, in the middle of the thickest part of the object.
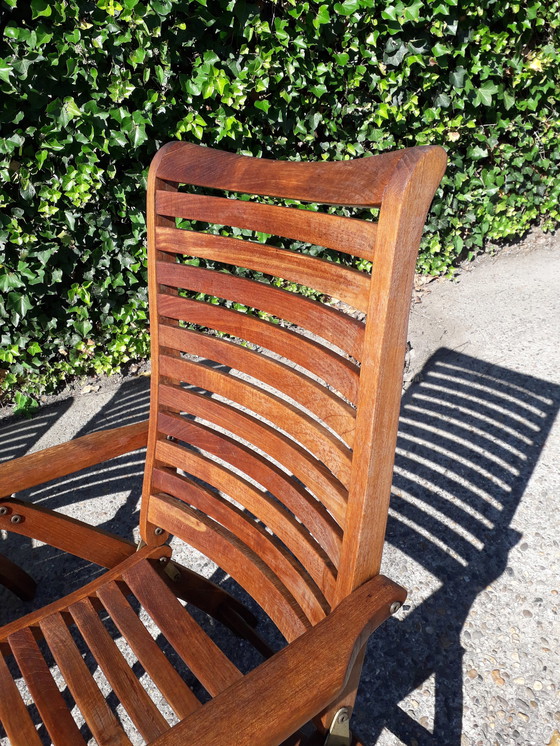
(283, 476)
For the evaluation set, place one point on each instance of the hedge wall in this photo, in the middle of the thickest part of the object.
(90, 90)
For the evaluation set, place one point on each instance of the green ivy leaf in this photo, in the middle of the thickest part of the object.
(40, 8)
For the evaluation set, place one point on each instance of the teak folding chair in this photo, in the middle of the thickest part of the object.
(270, 448)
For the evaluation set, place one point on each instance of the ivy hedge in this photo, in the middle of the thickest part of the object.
(91, 90)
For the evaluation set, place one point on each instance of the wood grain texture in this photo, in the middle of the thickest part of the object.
(319, 441)
(250, 533)
(336, 327)
(342, 374)
(238, 561)
(359, 182)
(329, 408)
(283, 693)
(60, 460)
(312, 473)
(348, 235)
(334, 280)
(13, 713)
(287, 490)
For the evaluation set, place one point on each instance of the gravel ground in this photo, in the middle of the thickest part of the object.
(472, 658)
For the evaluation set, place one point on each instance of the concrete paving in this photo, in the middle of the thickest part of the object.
(473, 657)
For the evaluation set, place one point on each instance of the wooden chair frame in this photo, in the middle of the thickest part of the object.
(319, 581)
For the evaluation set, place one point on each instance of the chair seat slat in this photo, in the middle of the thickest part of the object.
(335, 280)
(103, 724)
(13, 713)
(46, 695)
(153, 660)
(207, 662)
(134, 698)
(355, 237)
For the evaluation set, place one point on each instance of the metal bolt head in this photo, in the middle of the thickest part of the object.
(158, 531)
(16, 518)
(343, 715)
(394, 607)
(3, 511)
(163, 560)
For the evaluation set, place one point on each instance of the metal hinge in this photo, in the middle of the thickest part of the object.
(339, 732)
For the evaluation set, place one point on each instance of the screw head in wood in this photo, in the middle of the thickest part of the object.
(394, 607)
(3, 511)
(16, 518)
(158, 531)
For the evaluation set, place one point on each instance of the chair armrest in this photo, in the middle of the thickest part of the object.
(66, 458)
(285, 692)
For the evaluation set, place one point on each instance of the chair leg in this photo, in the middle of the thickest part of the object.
(16, 579)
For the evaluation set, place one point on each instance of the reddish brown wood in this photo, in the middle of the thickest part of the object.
(307, 431)
(314, 475)
(58, 461)
(243, 527)
(52, 707)
(359, 183)
(351, 236)
(285, 489)
(69, 534)
(244, 566)
(336, 327)
(340, 373)
(13, 713)
(101, 720)
(327, 277)
(328, 407)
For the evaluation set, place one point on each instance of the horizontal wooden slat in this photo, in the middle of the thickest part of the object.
(13, 712)
(356, 237)
(134, 698)
(358, 182)
(103, 724)
(341, 374)
(317, 439)
(243, 565)
(311, 472)
(241, 525)
(46, 695)
(331, 409)
(286, 489)
(334, 326)
(335, 280)
(264, 508)
(211, 667)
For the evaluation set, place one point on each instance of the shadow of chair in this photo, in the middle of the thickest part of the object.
(470, 435)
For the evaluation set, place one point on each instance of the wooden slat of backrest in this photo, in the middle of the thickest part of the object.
(236, 521)
(332, 410)
(243, 565)
(335, 280)
(303, 465)
(356, 237)
(336, 327)
(103, 724)
(13, 713)
(341, 374)
(134, 698)
(287, 490)
(353, 182)
(207, 662)
(153, 660)
(317, 439)
(53, 710)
